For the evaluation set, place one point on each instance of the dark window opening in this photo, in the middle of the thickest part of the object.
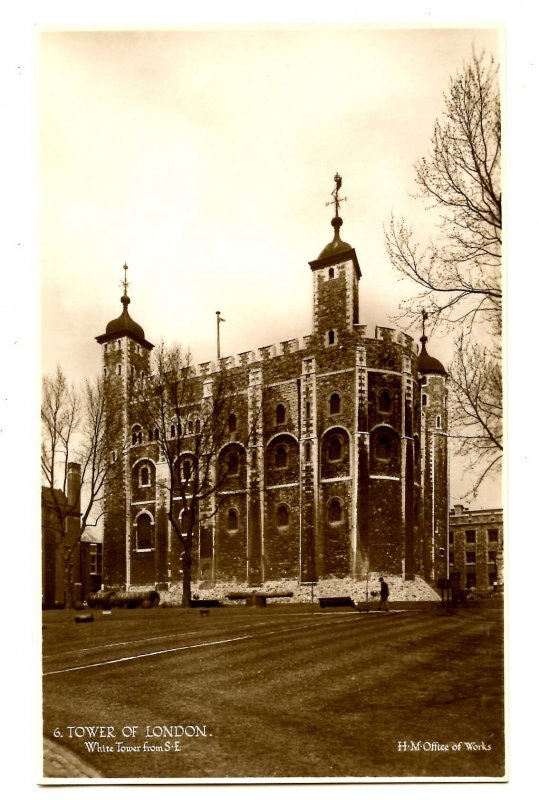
(335, 404)
(470, 580)
(331, 337)
(493, 535)
(383, 448)
(335, 511)
(144, 532)
(308, 453)
(232, 423)
(136, 435)
(335, 448)
(470, 537)
(281, 456)
(233, 464)
(384, 402)
(232, 520)
(144, 476)
(187, 469)
(423, 399)
(331, 273)
(280, 414)
(283, 516)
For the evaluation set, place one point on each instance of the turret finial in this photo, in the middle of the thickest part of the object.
(424, 314)
(125, 284)
(335, 194)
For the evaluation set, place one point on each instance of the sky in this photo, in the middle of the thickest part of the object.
(204, 159)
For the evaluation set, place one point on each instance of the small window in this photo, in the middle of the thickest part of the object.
(150, 436)
(384, 402)
(136, 435)
(133, 371)
(451, 537)
(331, 337)
(335, 404)
(471, 580)
(307, 409)
(283, 516)
(232, 423)
(172, 431)
(105, 347)
(190, 426)
(119, 344)
(335, 448)
(105, 371)
(438, 421)
(470, 556)
(113, 457)
(331, 273)
(492, 556)
(493, 535)
(280, 414)
(423, 399)
(281, 456)
(470, 537)
(451, 558)
(156, 434)
(197, 426)
(187, 469)
(137, 349)
(308, 452)
(232, 520)
(423, 381)
(119, 369)
(383, 448)
(144, 476)
(492, 578)
(335, 510)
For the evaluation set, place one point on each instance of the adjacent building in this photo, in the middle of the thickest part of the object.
(476, 547)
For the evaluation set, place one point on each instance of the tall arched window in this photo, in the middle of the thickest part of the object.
(283, 516)
(280, 414)
(335, 510)
(172, 431)
(144, 532)
(232, 520)
(335, 403)
(187, 469)
(144, 476)
(307, 452)
(232, 423)
(335, 448)
(281, 456)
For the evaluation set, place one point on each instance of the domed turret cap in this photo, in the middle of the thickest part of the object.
(337, 245)
(124, 325)
(426, 363)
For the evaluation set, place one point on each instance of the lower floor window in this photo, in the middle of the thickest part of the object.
(144, 533)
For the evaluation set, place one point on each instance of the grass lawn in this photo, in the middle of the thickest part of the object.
(278, 692)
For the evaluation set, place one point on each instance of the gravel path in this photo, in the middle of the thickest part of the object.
(59, 762)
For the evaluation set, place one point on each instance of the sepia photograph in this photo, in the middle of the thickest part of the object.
(272, 523)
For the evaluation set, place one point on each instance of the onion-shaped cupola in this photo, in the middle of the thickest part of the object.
(427, 364)
(124, 325)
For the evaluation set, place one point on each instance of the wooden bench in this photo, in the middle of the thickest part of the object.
(205, 603)
(258, 599)
(328, 602)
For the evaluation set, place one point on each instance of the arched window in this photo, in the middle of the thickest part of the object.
(335, 448)
(383, 447)
(136, 434)
(150, 436)
(144, 476)
(233, 464)
(335, 404)
(197, 426)
(144, 532)
(172, 431)
(190, 426)
(232, 423)
(280, 414)
(119, 369)
(105, 372)
(156, 434)
(283, 516)
(232, 520)
(308, 452)
(384, 401)
(423, 399)
(331, 337)
(335, 510)
(331, 273)
(438, 421)
(281, 456)
(187, 469)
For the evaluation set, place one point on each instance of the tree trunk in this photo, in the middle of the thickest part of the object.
(68, 584)
(186, 579)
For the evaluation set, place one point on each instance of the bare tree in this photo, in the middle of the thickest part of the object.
(191, 417)
(458, 272)
(74, 431)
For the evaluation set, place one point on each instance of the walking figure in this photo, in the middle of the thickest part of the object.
(384, 594)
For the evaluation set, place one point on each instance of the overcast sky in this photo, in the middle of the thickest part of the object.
(204, 159)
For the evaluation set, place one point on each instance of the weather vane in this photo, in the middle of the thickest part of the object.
(335, 194)
(124, 283)
(424, 314)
